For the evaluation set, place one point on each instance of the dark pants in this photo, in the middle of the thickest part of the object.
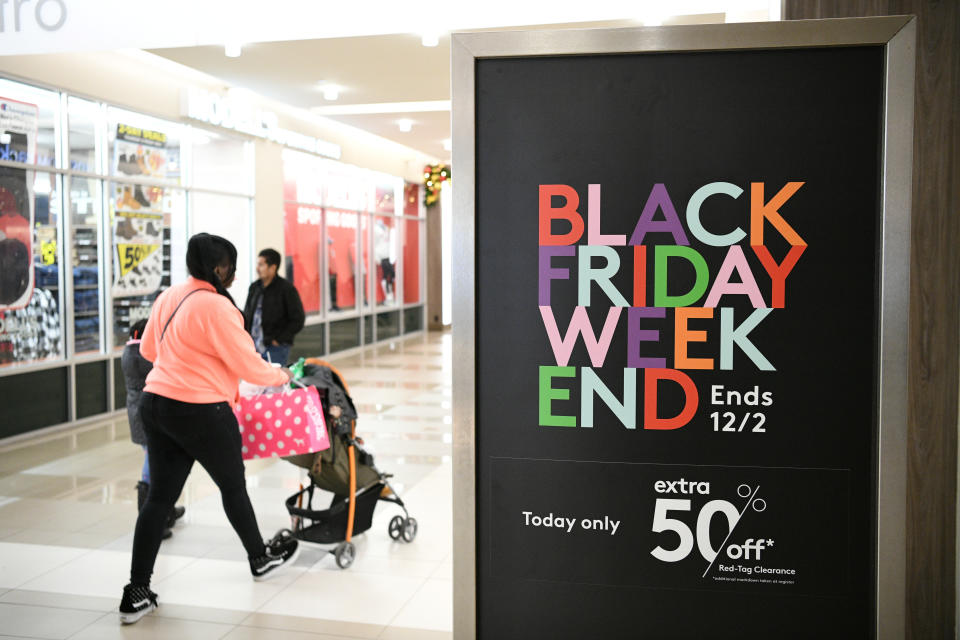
(177, 434)
(278, 353)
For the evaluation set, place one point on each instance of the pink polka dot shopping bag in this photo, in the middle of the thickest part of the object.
(282, 424)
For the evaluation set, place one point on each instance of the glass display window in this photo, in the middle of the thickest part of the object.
(304, 177)
(220, 163)
(139, 220)
(31, 318)
(29, 124)
(143, 147)
(411, 200)
(84, 260)
(83, 139)
(386, 246)
(366, 283)
(341, 248)
(345, 187)
(411, 260)
(232, 218)
(385, 193)
(302, 228)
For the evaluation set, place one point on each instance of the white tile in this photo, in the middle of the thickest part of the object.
(100, 573)
(430, 608)
(46, 622)
(403, 633)
(443, 572)
(337, 628)
(20, 563)
(384, 565)
(222, 584)
(254, 633)
(59, 600)
(352, 597)
(152, 627)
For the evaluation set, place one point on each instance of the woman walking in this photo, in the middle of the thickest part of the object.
(199, 349)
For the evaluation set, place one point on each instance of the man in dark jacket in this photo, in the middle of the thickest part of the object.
(273, 313)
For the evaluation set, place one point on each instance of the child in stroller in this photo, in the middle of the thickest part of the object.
(345, 469)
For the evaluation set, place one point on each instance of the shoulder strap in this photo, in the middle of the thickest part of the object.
(162, 333)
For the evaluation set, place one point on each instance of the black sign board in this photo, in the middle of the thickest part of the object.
(678, 295)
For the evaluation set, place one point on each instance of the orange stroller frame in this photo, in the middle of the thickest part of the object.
(401, 528)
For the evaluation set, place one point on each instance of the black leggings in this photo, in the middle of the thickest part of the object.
(177, 434)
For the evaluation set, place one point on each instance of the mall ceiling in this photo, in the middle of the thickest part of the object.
(374, 73)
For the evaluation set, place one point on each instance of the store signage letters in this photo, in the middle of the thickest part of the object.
(239, 115)
(47, 19)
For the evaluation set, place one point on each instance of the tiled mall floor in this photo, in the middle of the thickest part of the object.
(68, 507)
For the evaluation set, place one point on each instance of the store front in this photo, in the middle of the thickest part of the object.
(97, 203)
(353, 242)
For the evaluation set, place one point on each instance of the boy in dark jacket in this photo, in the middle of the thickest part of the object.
(135, 369)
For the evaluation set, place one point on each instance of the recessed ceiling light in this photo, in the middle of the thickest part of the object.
(232, 50)
(330, 91)
(430, 39)
(405, 124)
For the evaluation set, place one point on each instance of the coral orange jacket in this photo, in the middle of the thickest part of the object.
(205, 351)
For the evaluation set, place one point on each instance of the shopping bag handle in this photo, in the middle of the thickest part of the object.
(283, 388)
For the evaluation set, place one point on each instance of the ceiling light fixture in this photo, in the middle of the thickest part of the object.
(232, 50)
(430, 39)
(330, 91)
(405, 124)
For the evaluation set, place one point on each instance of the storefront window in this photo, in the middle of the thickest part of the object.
(140, 218)
(82, 134)
(411, 200)
(411, 260)
(31, 321)
(29, 124)
(386, 194)
(385, 250)
(345, 186)
(304, 177)
(302, 229)
(230, 217)
(84, 258)
(365, 258)
(220, 163)
(143, 147)
(341, 245)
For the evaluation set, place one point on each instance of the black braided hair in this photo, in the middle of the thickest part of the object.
(137, 329)
(205, 252)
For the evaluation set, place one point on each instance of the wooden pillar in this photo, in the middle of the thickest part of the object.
(934, 340)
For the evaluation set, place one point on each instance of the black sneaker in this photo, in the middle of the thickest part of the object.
(137, 602)
(282, 549)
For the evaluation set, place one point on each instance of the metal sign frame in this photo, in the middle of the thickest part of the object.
(897, 35)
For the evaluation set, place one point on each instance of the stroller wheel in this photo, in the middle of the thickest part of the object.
(396, 527)
(345, 554)
(410, 530)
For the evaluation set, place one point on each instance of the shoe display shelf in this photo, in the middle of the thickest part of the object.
(86, 295)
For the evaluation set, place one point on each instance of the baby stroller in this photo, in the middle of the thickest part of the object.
(346, 469)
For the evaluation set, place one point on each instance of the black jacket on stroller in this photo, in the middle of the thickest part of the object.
(330, 469)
